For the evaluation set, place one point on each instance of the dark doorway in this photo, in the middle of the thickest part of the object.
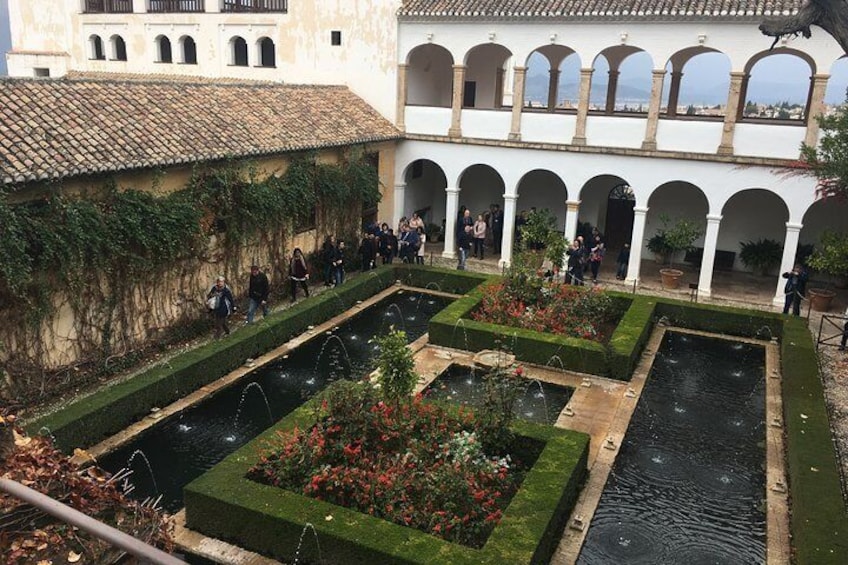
(469, 94)
(619, 219)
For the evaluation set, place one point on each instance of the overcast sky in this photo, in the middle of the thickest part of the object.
(5, 37)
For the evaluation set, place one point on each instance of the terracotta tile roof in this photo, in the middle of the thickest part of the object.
(596, 9)
(55, 128)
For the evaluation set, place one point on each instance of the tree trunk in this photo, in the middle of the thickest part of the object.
(830, 15)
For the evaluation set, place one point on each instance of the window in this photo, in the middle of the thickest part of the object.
(175, 6)
(163, 50)
(119, 48)
(107, 6)
(335, 37)
(41, 72)
(238, 48)
(267, 56)
(96, 47)
(255, 6)
(189, 50)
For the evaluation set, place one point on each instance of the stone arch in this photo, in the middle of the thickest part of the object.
(118, 48)
(425, 182)
(837, 84)
(266, 52)
(784, 104)
(595, 211)
(188, 49)
(749, 215)
(542, 188)
(480, 186)
(486, 73)
(95, 44)
(710, 66)
(238, 51)
(823, 214)
(676, 200)
(163, 50)
(546, 83)
(429, 76)
(622, 61)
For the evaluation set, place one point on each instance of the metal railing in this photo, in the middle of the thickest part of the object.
(146, 553)
(108, 7)
(255, 6)
(174, 6)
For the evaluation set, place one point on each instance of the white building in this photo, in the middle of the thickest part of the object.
(448, 73)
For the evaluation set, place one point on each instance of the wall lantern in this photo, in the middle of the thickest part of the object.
(702, 38)
(491, 36)
(553, 38)
(623, 37)
(429, 36)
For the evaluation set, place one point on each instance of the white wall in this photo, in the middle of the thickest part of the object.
(543, 127)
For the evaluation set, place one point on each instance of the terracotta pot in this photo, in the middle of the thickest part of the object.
(820, 299)
(671, 277)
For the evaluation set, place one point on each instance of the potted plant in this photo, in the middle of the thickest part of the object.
(762, 255)
(831, 258)
(658, 245)
(433, 232)
(671, 239)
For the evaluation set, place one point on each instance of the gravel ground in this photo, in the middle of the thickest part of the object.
(834, 364)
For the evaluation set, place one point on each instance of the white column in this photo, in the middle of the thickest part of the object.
(705, 278)
(637, 238)
(451, 210)
(398, 204)
(508, 229)
(790, 248)
(572, 208)
(140, 6)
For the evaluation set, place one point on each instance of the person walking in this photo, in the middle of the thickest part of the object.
(298, 273)
(221, 305)
(338, 263)
(497, 227)
(464, 246)
(479, 236)
(574, 275)
(422, 239)
(388, 246)
(257, 293)
(596, 255)
(622, 262)
(795, 289)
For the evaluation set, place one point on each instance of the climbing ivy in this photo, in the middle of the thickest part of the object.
(98, 250)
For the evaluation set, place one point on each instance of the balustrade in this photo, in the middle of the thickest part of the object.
(172, 6)
(108, 6)
(255, 6)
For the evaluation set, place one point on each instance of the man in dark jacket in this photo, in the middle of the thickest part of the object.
(257, 293)
(221, 305)
(497, 227)
(795, 289)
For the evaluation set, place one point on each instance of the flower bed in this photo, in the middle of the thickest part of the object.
(226, 504)
(548, 307)
(414, 464)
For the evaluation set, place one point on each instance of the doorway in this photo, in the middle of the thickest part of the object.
(619, 218)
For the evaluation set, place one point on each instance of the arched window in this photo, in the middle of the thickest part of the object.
(163, 49)
(96, 47)
(267, 54)
(119, 48)
(238, 49)
(189, 50)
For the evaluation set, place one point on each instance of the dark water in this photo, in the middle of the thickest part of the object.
(185, 446)
(688, 485)
(540, 403)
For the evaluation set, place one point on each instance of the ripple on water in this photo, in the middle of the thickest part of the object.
(661, 466)
(633, 541)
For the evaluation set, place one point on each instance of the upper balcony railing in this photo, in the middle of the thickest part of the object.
(255, 6)
(172, 6)
(108, 7)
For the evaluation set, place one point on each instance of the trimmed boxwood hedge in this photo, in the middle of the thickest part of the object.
(224, 504)
(818, 522)
(95, 417)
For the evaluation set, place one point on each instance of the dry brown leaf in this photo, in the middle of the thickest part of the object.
(73, 557)
(20, 440)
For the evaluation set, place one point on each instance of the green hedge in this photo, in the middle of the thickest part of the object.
(720, 319)
(97, 416)
(818, 521)
(453, 281)
(224, 504)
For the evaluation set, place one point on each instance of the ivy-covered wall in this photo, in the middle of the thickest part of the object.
(93, 271)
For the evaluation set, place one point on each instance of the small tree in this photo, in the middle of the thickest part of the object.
(397, 376)
(831, 255)
(673, 238)
(828, 162)
(501, 390)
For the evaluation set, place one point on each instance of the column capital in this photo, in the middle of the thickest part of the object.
(403, 66)
(400, 186)
(588, 71)
(519, 69)
(793, 226)
(738, 75)
(452, 190)
(658, 73)
(511, 197)
(714, 218)
(677, 73)
(641, 210)
(459, 67)
(821, 77)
